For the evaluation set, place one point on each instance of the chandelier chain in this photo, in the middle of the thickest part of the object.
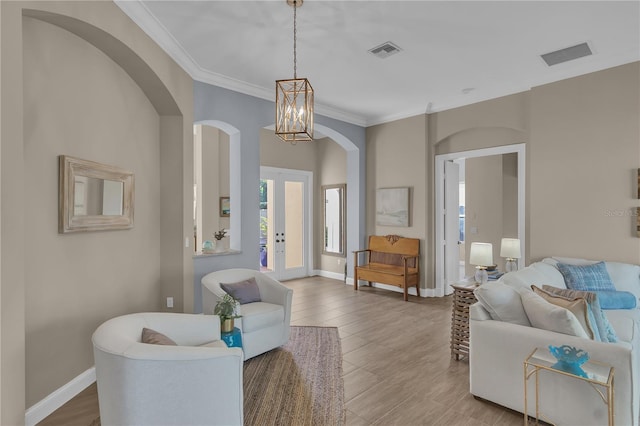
(295, 32)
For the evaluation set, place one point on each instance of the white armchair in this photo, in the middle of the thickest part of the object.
(146, 384)
(265, 325)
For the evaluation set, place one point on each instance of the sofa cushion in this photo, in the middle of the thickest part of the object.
(537, 273)
(244, 292)
(625, 277)
(502, 302)
(624, 322)
(586, 277)
(547, 316)
(259, 315)
(599, 322)
(576, 305)
(569, 261)
(156, 338)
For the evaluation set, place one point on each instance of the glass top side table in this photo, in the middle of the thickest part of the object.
(597, 374)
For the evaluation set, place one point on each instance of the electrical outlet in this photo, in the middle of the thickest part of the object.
(339, 261)
(186, 242)
(169, 302)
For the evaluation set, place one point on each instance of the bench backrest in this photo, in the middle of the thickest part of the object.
(389, 249)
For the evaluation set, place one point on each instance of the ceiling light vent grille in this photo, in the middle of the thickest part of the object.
(385, 50)
(568, 54)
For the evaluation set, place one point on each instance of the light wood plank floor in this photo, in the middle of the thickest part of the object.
(397, 364)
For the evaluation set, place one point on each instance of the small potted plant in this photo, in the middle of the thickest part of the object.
(226, 310)
(219, 236)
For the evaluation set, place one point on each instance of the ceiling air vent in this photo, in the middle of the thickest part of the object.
(568, 54)
(385, 50)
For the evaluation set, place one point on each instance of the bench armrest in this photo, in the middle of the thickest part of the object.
(355, 256)
(407, 257)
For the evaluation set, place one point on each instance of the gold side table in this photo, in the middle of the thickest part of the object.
(463, 297)
(599, 376)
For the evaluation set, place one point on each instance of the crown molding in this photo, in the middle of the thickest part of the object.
(142, 16)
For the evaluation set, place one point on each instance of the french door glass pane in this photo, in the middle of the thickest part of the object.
(266, 224)
(294, 224)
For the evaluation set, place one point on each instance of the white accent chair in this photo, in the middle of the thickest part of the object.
(265, 325)
(147, 384)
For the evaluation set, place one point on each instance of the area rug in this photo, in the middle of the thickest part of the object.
(299, 383)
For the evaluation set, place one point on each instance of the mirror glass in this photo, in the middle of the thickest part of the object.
(94, 196)
(334, 202)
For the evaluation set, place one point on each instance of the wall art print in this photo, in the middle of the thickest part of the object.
(392, 207)
(225, 207)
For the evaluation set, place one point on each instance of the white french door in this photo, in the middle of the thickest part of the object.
(284, 222)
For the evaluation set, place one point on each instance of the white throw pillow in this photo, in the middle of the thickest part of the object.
(502, 302)
(547, 316)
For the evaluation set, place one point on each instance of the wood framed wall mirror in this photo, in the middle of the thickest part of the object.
(93, 196)
(333, 219)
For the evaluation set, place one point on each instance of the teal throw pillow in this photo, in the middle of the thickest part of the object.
(599, 321)
(593, 277)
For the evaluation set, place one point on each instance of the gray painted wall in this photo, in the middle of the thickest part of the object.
(249, 114)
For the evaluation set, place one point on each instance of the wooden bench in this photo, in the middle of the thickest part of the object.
(392, 260)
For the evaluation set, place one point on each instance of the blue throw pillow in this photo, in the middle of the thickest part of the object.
(604, 326)
(587, 277)
(616, 299)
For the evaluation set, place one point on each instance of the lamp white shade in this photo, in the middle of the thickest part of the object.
(481, 254)
(510, 248)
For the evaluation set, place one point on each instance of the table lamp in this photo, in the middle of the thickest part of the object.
(481, 255)
(510, 248)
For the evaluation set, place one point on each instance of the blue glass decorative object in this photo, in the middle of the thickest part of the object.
(569, 359)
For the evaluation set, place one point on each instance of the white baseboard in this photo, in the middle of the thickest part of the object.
(328, 274)
(39, 411)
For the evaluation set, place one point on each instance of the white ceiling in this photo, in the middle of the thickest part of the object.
(492, 47)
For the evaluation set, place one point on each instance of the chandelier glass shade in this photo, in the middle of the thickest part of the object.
(294, 100)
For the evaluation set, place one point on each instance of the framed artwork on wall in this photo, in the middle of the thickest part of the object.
(225, 207)
(392, 207)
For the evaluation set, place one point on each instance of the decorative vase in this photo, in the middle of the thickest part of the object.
(226, 326)
(207, 246)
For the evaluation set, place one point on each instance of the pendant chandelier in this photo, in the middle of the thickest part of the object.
(294, 99)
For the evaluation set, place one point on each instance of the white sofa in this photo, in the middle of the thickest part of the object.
(265, 325)
(498, 349)
(146, 384)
